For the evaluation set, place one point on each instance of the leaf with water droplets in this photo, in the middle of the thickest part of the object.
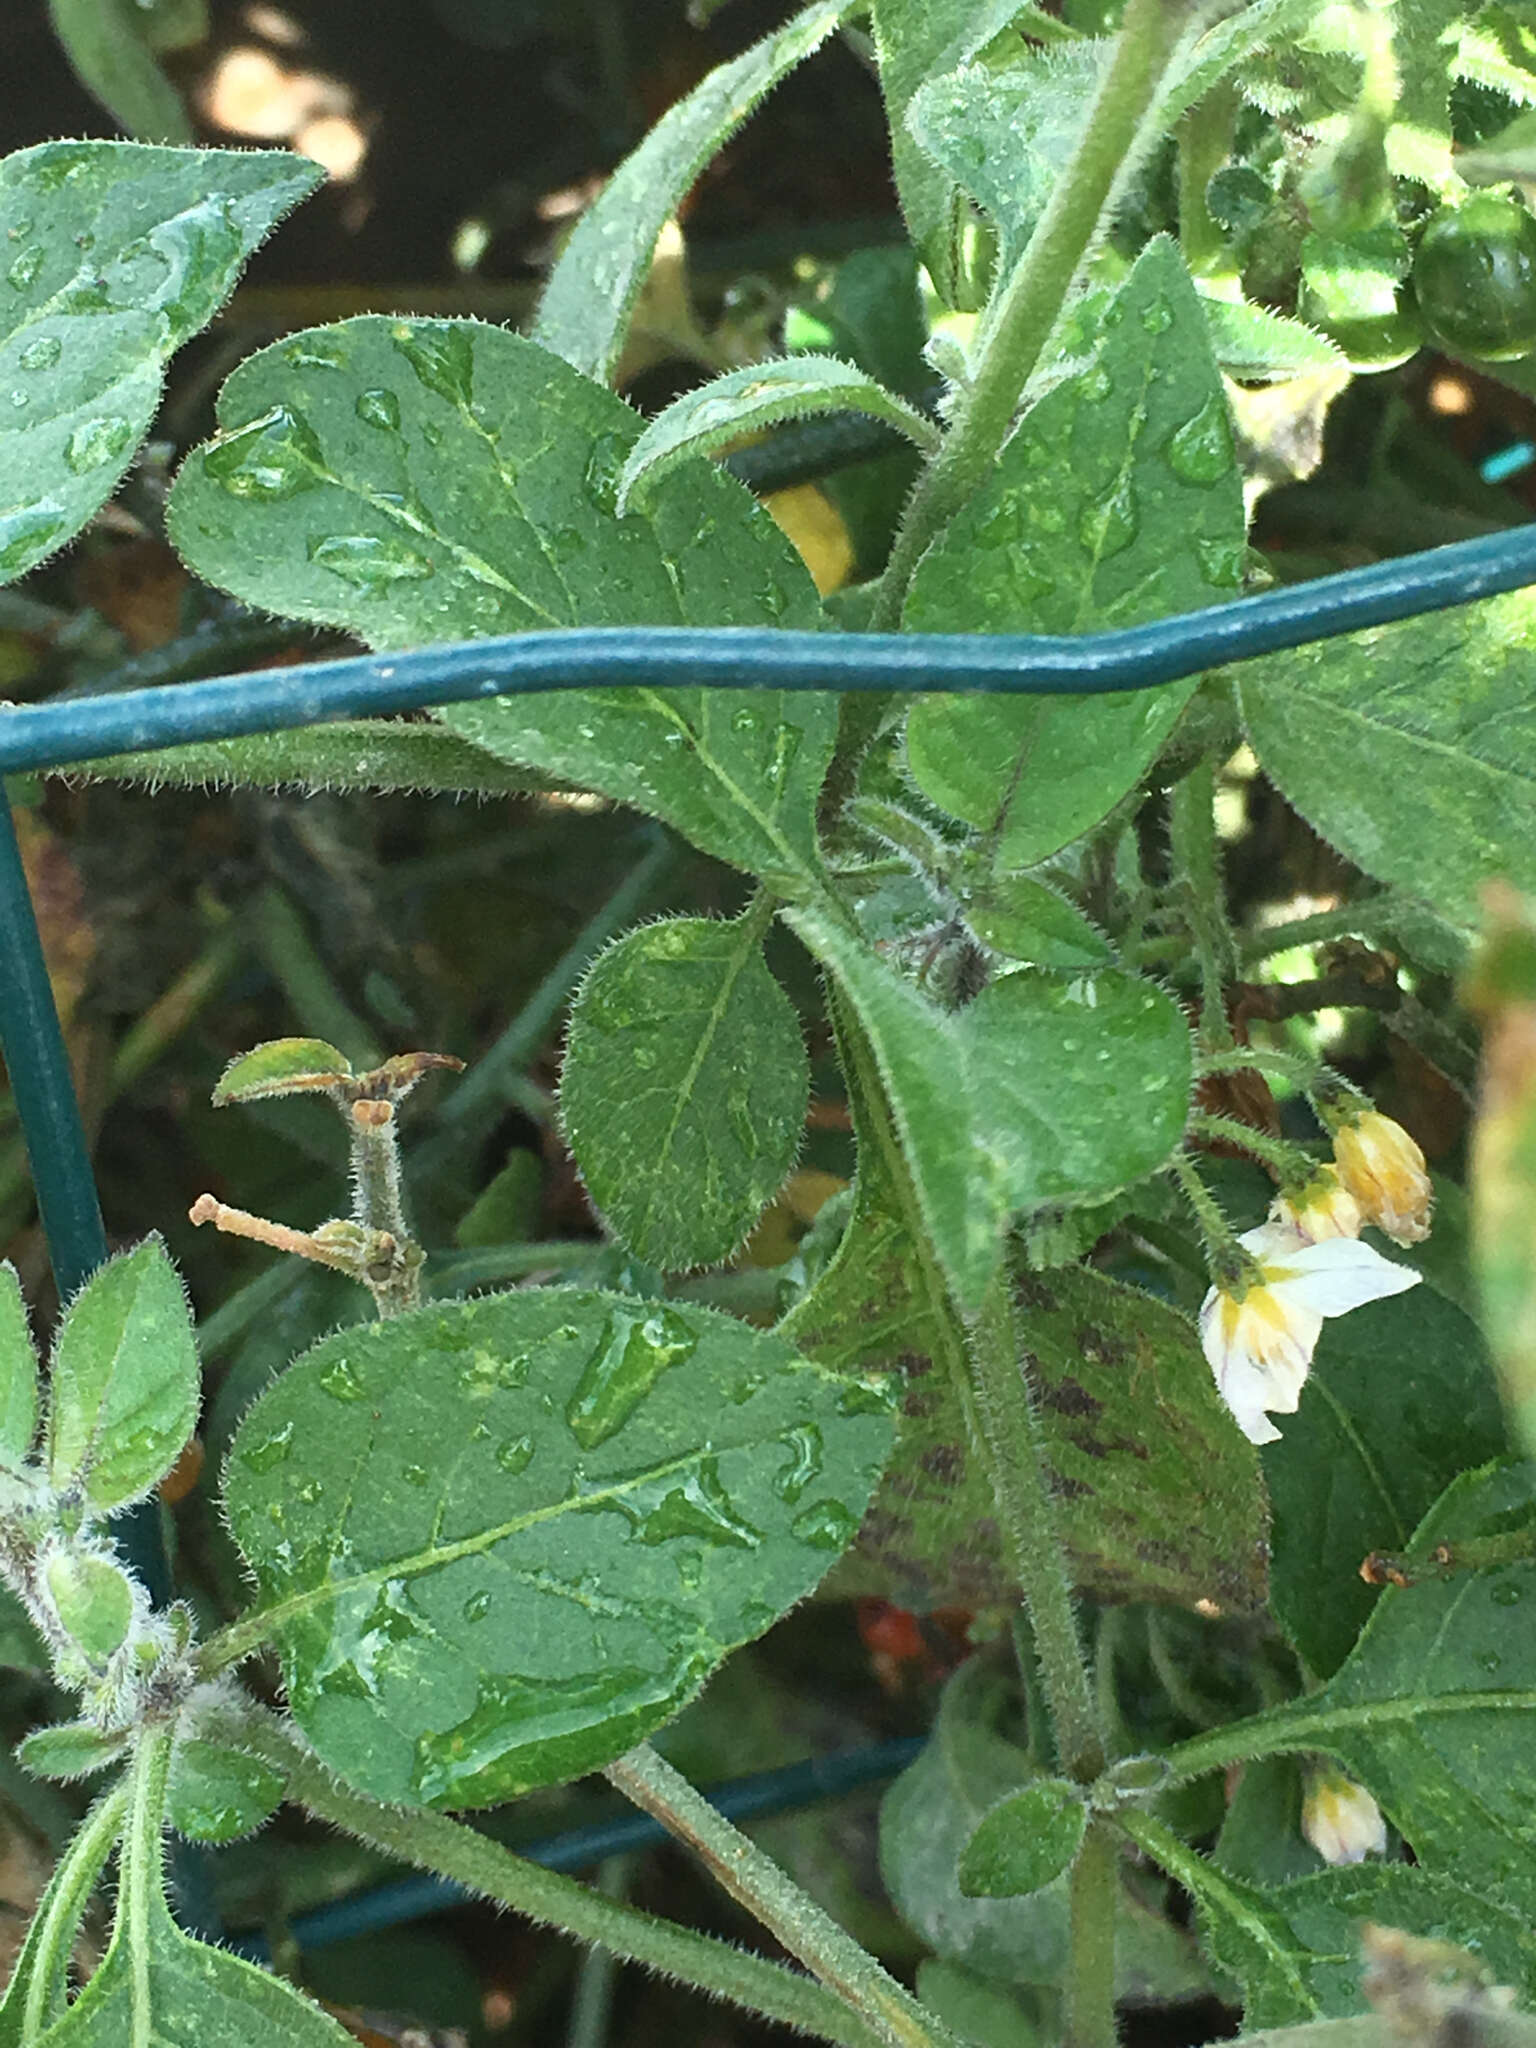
(436, 480)
(1086, 1078)
(1117, 500)
(684, 1088)
(761, 395)
(499, 1541)
(1024, 1842)
(592, 290)
(218, 1791)
(352, 753)
(1439, 707)
(112, 255)
(124, 1388)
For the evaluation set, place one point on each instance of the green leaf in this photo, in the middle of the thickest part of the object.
(426, 480)
(1143, 515)
(762, 395)
(1401, 1399)
(107, 44)
(282, 1066)
(217, 1791)
(69, 1749)
(18, 1372)
(1024, 918)
(1086, 1079)
(21, 1647)
(592, 290)
(916, 40)
(158, 1988)
(499, 1541)
(373, 753)
(1003, 136)
(1257, 346)
(125, 1383)
(93, 1600)
(684, 1087)
(116, 254)
(1024, 1842)
(919, 1053)
(1433, 1709)
(1410, 749)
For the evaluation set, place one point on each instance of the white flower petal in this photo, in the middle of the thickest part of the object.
(1339, 1274)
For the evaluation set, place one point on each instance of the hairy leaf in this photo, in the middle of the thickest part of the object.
(108, 44)
(1024, 1842)
(684, 1088)
(499, 1541)
(124, 1387)
(376, 753)
(1410, 747)
(18, 1372)
(592, 290)
(431, 479)
(761, 395)
(115, 254)
(1116, 500)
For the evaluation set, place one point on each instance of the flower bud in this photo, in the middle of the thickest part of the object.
(1382, 1167)
(1340, 1818)
(1322, 1209)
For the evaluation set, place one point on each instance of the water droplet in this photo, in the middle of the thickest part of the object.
(512, 1373)
(1507, 1594)
(43, 353)
(635, 1349)
(1157, 317)
(431, 433)
(1096, 385)
(786, 744)
(515, 1454)
(1110, 526)
(1221, 562)
(481, 1377)
(695, 1504)
(415, 1475)
(870, 1396)
(744, 720)
(368, 561)
(749, 1384)
(804, 1446)
(1490, 1661)
(477, 1606)
(24, 268)
(318, 351)
(96, 442)
(308, 1491)
(341, 1382)
(825, 1525)
(442, 354)
(378, 407)
(276, 456)
(600, 479)
(272, 1450)
(1201, 451)
(27, 535)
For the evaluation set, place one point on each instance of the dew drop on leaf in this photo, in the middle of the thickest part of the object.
(43, 353)
(270, 1451)
(697, 1505)
(341, 1382)
(24, 269)
(804, 1445)
(368, 561)
(600, 480)
(477, 1606)
(275, 457)
(1201, 451)
(515, 1454)
(378, 407)
(318, 352)
(95, 442)
(636, 1348)
(442, 356)
(825, 1525)
(415, 1475)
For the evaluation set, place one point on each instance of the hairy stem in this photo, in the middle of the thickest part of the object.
(1022, 316)
(1010, 1433)
(63, 1906)
(431, 1841)
(757, 1882)
(1090, 1985)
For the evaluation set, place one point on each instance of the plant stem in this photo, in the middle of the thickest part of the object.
(757, 1882)
(1353, 920)
(431, 1841)
(1010, 1435)
(1205, 144)
(1241, 1059)
(1228, 1262)
(1022, 315)
(63, 1905)
(1198, 877)
(1291, 1162)
(1090, 1985)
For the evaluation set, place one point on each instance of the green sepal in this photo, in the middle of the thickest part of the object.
(1024, 1842)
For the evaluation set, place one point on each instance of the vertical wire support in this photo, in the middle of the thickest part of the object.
(44, 1093)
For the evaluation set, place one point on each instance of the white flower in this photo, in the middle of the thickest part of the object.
(1341, 1820)
(1260, 1342)
(1323, 1208)
(1384, 1170)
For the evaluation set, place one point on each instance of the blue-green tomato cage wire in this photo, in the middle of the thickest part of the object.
(54, 735)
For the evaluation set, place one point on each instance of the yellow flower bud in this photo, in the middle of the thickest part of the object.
(1323, 1208)
(1381, 1166)
(1341, 1820)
